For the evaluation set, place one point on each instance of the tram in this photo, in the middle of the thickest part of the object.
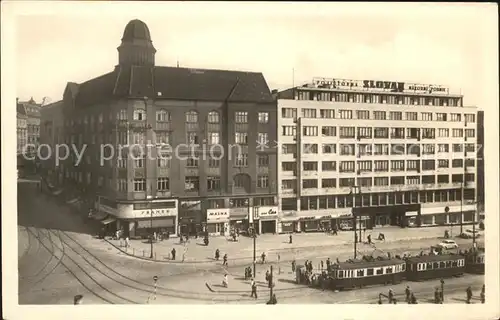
(349, 275)
(475, 262)
(427, 267)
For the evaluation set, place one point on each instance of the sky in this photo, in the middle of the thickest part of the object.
(289, 43)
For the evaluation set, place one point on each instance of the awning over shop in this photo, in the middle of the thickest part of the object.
(108, 220)
(99, 215)
(72, 201)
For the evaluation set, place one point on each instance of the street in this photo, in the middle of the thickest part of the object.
(59, 257)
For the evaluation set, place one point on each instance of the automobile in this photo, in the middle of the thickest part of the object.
(448, 244)
(469, 234)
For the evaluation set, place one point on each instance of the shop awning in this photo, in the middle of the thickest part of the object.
(99, 215)
(108, 220)
(72, 201)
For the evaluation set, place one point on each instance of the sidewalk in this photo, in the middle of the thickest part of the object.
(272, 245)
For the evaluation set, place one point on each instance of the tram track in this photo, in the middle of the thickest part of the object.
(86, 280)
(130, 283)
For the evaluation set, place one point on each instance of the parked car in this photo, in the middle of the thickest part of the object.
(469, 234)
(448, 244)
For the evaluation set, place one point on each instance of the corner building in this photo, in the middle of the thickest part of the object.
(189, 109)
(393, 153)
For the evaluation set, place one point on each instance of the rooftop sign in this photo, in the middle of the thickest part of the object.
(379, 86)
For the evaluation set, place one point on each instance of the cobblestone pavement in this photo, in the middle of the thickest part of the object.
(274, 245)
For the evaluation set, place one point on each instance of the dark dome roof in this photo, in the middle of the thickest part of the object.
(136, 29)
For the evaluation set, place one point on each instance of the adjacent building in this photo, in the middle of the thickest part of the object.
(31, 111)
(480, 162)
(21, 130)
(215, 173)
(399, 153)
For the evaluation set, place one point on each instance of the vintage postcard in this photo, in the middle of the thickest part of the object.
(158, 155)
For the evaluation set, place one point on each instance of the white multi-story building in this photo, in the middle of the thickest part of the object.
(402, 154)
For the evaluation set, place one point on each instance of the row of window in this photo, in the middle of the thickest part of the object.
(423, 266)
(379, 165)
(375, 199)
(193, 162)
(377, 132)
(379, 149)
(162, 115)
(367, 272)
(377, 98)
(308, 183)
(191, 183)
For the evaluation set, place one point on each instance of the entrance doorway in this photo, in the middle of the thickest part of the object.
(268, 226)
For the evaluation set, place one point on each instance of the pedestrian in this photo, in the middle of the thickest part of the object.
(321, 265)
(267, 275)
(413, 299)
(224, 263)
(483, 294)
(173, 254)
(263, 256)
(407, 293)
(225, 282)
(290, 239)
(469, 294)
(217, 255)
(310, 266)
(254, 289)
(293, 265)
(328, 264)
(369, 237)
(390, 295)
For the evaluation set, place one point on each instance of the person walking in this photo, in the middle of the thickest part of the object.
(293, 265)
(173, 253)
(263, 256)
(407, 293)
(469, 294)
(290, 239)
(254, 289)
(217, 255)
(224, 260)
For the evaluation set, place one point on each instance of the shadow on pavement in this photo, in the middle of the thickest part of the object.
(40, 210)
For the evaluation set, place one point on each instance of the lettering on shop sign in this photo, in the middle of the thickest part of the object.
(218, 213)
(269, 212)
(159, 212)
(386, 85)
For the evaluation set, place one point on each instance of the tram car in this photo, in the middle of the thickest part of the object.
(349, 275)
(427, 267)
(474, 262)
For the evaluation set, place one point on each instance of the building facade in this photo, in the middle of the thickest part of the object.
(480, 161)
(399, 154)
(199, 130)
(22, 130)
(32, 111)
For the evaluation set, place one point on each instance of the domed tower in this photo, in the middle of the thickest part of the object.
(136, 48)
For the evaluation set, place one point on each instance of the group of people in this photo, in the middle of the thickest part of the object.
(482, 295)
(224, 258)
(409, 297)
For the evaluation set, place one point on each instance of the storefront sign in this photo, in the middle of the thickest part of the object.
(381, 86)
(411, 213)
(155, 213)
(267, 212)
(217, 215)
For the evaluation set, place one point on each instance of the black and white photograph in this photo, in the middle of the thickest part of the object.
(244, 153)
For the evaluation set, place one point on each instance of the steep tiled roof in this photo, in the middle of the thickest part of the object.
(175, 83)
(30, 108)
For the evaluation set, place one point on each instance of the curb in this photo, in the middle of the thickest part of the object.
(246, 258)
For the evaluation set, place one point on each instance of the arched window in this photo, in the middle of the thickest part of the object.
(191, 117)
(139, 114)
(213, 117)
(162, 116)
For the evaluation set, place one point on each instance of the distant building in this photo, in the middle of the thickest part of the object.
(408, 149)
(31, 110)
(22, 130)
(137, 103)
(480, 161)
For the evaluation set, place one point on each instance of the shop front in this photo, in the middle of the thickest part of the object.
(268, 219)
(393, 215)
(191, 218)
(411, 219)
(448, 215)
(309, 224)
(325, 223)
(288, 222)
(217, 222)
(140, 219)
(238, 219)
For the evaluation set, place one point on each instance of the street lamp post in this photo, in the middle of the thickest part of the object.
(356, 189)
(254, 235)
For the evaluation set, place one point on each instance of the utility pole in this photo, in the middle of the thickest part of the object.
(271, 280)
(251, 215)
